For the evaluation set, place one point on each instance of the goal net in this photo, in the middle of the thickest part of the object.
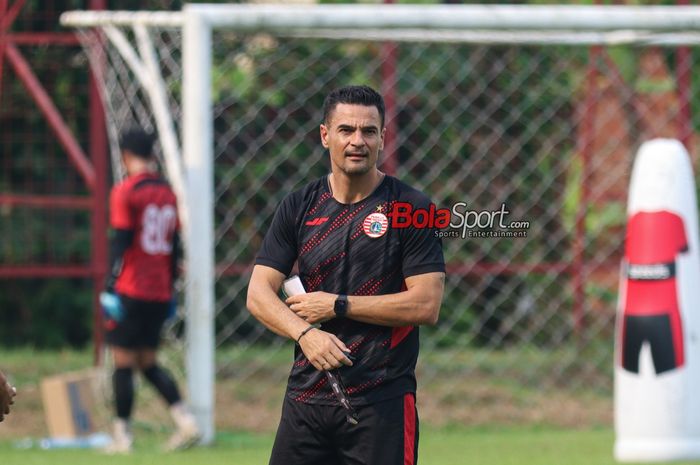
(533, 110)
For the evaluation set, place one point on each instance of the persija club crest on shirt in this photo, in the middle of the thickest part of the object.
(375, 224)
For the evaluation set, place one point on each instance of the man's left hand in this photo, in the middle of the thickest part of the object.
(314, 307)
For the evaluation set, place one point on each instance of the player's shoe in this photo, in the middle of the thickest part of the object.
(186, 436)
(187, 433)
(122, 440)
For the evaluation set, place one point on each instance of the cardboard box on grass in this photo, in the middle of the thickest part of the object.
(69, 404)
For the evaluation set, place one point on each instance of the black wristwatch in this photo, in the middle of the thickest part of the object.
(341, 305)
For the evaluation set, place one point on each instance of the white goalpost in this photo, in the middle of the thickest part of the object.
(180, 104)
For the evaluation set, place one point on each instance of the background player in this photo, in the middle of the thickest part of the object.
(369, 285)
(143, 215)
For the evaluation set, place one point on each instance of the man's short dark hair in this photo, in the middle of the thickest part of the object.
(354, 95)
(138, 142)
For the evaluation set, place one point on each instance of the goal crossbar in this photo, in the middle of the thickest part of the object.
(243, 17)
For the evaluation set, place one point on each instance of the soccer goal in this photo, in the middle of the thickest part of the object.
(533, 109)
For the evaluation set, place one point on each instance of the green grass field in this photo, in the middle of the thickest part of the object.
(508, 424)
(437, 447)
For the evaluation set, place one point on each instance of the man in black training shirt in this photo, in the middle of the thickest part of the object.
(368, 285)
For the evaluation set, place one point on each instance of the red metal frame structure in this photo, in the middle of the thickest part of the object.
(91, 166)
(585, 145)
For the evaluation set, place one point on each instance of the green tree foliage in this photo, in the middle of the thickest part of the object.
(45, 313)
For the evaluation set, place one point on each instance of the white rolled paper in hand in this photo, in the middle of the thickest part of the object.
(293, 286)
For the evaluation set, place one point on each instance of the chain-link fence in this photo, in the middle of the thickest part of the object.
(545, 132)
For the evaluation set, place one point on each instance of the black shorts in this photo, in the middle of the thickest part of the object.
(654, 329)
(140, 325)
(309, 434)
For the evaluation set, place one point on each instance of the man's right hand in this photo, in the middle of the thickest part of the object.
(7, 394)
(324, 350)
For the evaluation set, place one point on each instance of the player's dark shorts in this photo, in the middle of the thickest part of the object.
(656, 330)
(310, 434)
(140, 325)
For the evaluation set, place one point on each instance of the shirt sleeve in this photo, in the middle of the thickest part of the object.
(119, 213)
(422, 249)
(279, 247)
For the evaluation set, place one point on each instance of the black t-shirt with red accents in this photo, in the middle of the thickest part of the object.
(352, 249)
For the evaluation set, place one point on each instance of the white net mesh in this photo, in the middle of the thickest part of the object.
(526, 327)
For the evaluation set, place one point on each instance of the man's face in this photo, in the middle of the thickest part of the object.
(353, 136)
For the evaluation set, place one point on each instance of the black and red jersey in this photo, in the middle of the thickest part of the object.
(654, 240)
(146, 205)
(352, 249)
